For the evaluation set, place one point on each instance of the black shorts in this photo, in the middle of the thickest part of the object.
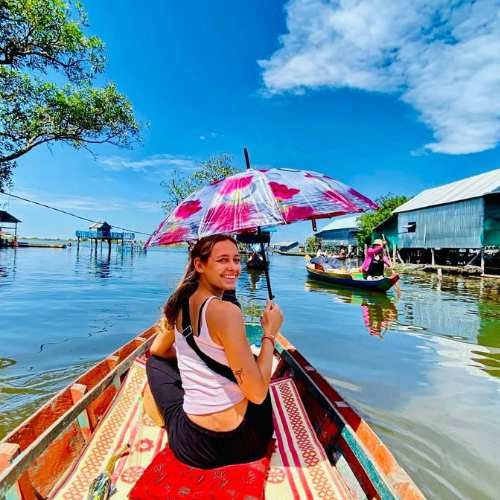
(200, 447)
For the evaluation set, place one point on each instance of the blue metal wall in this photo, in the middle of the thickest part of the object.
(339, 236)
(455, 225)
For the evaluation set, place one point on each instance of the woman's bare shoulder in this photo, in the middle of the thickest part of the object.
(223, 316)
(223, 307)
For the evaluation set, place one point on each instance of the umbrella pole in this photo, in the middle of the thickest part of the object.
(259, 232)
(266, 268)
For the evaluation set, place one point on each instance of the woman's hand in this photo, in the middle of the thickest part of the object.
(271, 319)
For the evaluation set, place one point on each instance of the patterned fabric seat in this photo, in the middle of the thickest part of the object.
(299, 467)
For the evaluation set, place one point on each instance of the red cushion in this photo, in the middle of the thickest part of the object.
(167, 477)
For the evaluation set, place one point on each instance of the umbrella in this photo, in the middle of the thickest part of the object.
(255, 199)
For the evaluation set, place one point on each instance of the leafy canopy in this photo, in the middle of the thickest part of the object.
(179, 187)
(43, 42)
(368, 222)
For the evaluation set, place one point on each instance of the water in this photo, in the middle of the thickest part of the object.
(421, 364)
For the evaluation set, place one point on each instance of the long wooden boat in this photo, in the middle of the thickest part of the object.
(255, 261)
(346, 278)
(324, 449)
(291, 254)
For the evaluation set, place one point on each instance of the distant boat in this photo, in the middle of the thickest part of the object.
(24, 244)
(352, 279)
(256, 261)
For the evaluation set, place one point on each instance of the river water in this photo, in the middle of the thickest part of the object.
(421, 363)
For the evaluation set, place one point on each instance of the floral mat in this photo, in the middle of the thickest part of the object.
(299, 466)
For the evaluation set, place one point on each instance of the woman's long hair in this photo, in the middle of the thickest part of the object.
(189, 283)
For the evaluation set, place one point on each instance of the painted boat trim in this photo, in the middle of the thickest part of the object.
(347, 432)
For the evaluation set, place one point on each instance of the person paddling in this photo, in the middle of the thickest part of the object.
(375, 260)
(213, 418)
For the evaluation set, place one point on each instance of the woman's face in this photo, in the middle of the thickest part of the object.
(223, 267)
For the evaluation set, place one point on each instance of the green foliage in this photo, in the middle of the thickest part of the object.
(368, 222)
(312, 244)
(45, 37)
(179, 187)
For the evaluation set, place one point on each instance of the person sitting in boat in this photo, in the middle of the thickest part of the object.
(335, 261)
(213, 418)
(342, 254)
(375, 260)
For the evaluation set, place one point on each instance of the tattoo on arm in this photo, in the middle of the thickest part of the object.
(239, 375)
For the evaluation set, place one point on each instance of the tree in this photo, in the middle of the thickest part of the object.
(179, 187)
(368, 222)
(312, 244)
(42, 42)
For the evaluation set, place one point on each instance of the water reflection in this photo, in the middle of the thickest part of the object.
(378, 310)
(7, 264)
(254, 278)
(103, 265)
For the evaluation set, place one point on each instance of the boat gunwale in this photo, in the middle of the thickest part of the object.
(380, 481)
(20, 464)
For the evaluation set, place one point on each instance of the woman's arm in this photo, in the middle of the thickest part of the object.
(163, 343)
(226, 322)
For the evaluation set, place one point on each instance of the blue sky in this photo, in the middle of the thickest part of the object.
(384, 96)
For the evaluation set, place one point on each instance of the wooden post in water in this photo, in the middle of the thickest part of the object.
(433, 257)
(482, 260)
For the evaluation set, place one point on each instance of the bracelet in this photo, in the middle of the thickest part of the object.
(272, 339)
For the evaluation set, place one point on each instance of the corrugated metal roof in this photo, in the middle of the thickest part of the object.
(472, 187)
(342, 222)
(6, 217)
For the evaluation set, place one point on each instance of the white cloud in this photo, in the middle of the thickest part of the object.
(210, 135)
(72, 203)
(118, 163)
(148, 206)
(441, 57)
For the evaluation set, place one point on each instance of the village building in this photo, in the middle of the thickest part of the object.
(453, 224)
(341, 232)
(101, 231)
(8, 229)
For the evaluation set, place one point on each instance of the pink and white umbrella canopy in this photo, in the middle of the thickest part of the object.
(258, 198)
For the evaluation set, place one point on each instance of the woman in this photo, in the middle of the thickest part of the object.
(213, 419)
(373, 265)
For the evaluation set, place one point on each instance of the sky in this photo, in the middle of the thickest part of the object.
(387, 97)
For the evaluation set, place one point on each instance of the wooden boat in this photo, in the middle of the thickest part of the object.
(291, 254)
(255, 261)
(352, 279)
(324, 448)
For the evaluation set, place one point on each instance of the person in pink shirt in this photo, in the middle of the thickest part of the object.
(375, 259)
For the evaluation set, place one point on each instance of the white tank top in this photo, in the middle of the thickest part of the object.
(204, 390)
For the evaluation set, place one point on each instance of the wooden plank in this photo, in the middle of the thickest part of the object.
(21, 463)
(22, 489)
(77, 393)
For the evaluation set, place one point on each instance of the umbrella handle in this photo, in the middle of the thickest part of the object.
(266, 269)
